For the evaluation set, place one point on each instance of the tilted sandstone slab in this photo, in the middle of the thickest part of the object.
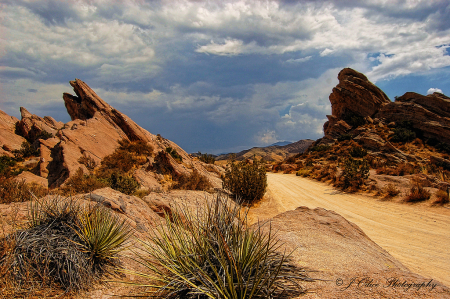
(9, 140)
(31, 125)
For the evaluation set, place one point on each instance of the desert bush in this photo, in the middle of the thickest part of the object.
(26, 150)
(358, 152)
(89, 162)
(193, 181)
(18, 190)
(402, 134)
(290, 160)
(417, 193)
(441, 197)
(354, 173)
(43, 135)
(304, 172)
(344, 137)
(247, 181)
(213, 253)
(174, 154)
(65, 245)
(122, 183)
(82, 183)
(398, 170)
(141, 193)
(119, 161)
(6, 163)
(320, 148)
(206, 158)
(391, 191)
(139, 147)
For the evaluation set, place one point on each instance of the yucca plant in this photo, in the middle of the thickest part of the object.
(212, 253)
(66, 245)
(103, 235)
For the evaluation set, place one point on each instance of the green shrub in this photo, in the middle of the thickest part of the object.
(43, 135)
(174, 154)
(208, 159)
(247, 181)
(65, 246)
(213, 253)
(122, 183)
(119, 161)
(358, 152)
(5, 164)
(26, 150)
(355, 172)
(403, 135)
(193, 181)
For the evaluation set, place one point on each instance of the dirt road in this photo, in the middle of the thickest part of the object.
(417, 235)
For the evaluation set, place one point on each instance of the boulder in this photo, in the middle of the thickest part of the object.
(31, 178)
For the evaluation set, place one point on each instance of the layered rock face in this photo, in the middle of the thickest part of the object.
(354, 96)
(95, 131)
(355, 99)
(430, 114)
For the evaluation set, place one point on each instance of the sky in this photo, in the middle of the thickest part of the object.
(218, 76)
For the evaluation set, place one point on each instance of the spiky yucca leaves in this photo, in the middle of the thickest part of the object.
(212, 253)
(66, 245)
(102, 236)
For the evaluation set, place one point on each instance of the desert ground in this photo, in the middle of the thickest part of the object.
(417, 235)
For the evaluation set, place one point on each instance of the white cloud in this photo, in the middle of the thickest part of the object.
(266, 137)
(299, 60)
(326, 52)
(229, 48)
(433, 90)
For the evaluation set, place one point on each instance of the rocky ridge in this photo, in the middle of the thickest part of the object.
(94, 132)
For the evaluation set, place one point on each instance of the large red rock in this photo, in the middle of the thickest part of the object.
(9, 140)
(32, 126)
(354, 96)
(428, 114)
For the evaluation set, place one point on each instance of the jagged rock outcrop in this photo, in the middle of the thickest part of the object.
(429, 114)
(9, 140)
(94, 131)
(354, 96)
(32, 126)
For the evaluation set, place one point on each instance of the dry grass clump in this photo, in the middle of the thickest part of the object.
(193, 181)
(63, 246)
(19, 191)
(391, 191)
(213, 253)
(304, 172)
(442, 198)
(417, 193)
(398, 170)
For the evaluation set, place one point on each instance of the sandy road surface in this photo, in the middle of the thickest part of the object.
(417, 235)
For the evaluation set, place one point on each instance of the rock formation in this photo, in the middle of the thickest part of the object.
(354, 96)
(356, 101)
(94, 131)
(428, 114)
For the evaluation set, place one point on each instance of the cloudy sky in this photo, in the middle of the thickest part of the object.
(218, 76)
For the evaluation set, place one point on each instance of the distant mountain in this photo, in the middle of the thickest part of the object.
(274, 152)
(281, 143)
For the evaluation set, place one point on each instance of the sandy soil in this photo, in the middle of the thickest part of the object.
(417, 235)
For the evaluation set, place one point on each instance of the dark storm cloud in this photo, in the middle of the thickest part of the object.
(214, 75)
